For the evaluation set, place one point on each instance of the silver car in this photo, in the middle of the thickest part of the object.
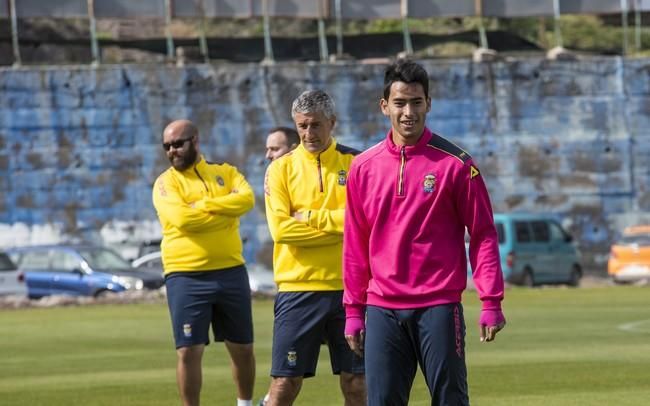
(259, 278)
(12, 280)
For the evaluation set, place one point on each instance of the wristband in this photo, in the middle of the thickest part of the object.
(491, 318)
(354, 325)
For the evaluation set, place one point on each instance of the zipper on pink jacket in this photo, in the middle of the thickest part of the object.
(400, 186)
(320, 173)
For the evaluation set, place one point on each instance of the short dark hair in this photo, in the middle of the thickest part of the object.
(290, 134)
(407, 71)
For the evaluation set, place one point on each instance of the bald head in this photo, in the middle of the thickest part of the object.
(180, 128)
(181, 144)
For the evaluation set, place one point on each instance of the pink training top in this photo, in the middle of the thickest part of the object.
(404, 238)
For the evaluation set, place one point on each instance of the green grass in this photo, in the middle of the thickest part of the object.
(560, 347)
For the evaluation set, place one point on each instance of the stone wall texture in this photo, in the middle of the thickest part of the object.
(80, 146)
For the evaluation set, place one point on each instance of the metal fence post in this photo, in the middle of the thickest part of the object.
(637, 25)
(323, 12)
(14, 33)
(268, 47)
(482, 37)
(322, 41)
(624, 10)
(408, 45)
(203, 42)
(168, 30)
(556, 23)
(94, 43)
(339, 28)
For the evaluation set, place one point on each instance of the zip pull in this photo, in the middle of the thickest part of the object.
(200, 177)
(400, 187)
(320, 173)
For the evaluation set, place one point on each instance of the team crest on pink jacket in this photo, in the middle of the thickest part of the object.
(429, 183)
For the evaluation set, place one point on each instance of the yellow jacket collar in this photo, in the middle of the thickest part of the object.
(200, 164)
(323, 155)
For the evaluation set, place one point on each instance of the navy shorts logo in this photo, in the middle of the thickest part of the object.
(429, 183)
(292, 358)
(187, 330)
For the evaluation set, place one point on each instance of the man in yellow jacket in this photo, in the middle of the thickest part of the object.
(305, 197)
(199, 205)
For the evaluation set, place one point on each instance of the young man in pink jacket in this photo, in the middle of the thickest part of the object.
(409, 200)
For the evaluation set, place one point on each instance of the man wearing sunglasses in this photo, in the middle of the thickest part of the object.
(199, 205)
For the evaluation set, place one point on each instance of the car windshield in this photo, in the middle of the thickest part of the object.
(640, 239)
(148, 247)
(101, 258)
(5, 263)
(500, 234)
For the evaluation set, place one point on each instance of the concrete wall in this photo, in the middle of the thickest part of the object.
(80, 147)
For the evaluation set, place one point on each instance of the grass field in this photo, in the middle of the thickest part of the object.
(560, 347)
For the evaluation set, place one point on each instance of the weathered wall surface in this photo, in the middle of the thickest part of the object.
(80, 147)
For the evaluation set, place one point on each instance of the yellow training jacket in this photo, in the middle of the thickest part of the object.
(307, 252)
(199, 211)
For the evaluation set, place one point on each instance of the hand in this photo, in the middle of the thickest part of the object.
(490, 323)
(489, 333)
(356, 342)
(355, 332)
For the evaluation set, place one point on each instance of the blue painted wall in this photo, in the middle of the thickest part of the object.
(80, 147)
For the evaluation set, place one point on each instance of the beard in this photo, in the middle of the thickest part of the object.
(184, 160)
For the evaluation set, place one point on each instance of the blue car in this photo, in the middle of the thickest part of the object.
(535, 249)
(81, 270)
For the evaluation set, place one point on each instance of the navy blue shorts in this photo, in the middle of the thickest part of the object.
(398, 340)
(302, 321)
(219, 298)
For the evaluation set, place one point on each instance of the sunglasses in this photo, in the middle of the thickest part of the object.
(176, 144)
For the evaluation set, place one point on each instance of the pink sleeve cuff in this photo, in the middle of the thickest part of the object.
(354, 325)
(492, 305)
(491, 317)
(355, 311)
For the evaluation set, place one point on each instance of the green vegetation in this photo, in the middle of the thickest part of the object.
(583, 33)
(455, 37)
(560, 347)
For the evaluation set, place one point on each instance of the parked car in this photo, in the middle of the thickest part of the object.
(260, 278)
(535, 250)
(150, 262)
(149, 246)
(12, 280)
(629, 258)
(79, 270)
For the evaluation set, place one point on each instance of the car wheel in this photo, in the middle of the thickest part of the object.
(103, 293)
(528, 279)
(574, 276)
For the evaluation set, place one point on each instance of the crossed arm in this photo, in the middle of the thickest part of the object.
(207, 213)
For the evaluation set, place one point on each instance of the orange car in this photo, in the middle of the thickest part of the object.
(629, 258)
